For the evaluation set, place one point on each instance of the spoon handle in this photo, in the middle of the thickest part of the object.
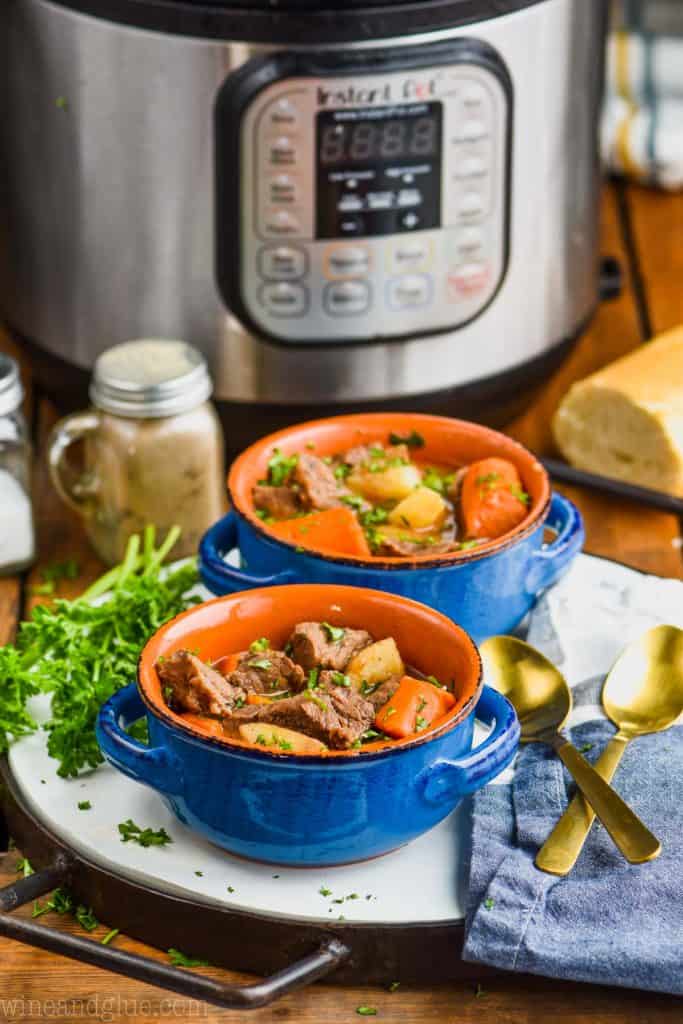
(560, 851)
(633, 838)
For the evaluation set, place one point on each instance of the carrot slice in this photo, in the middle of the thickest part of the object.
(492, 499)
(209, 726)
(336, 530)
(258, 698)
(227, 664)
(415, 706)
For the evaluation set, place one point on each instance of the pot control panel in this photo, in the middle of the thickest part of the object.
(368, 204)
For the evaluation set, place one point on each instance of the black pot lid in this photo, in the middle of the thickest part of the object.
(306, 22)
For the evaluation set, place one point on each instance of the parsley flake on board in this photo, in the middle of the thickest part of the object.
(143, 836)
(179, 959)
(81, 652)
(366, 1011)
(84, 805)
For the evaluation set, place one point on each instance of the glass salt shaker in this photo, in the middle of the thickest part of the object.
(17, 538)
(152, 448)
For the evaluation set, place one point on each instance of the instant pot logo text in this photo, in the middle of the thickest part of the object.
(353, 95)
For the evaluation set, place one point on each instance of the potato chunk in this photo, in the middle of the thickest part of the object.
(391, 484)
(279, 740)
(423, 509)
(376, 663)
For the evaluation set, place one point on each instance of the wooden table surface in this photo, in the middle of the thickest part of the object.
(644, 230)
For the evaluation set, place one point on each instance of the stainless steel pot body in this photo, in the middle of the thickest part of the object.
(107, 202)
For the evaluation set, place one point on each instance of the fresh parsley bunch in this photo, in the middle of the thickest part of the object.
(83, 651)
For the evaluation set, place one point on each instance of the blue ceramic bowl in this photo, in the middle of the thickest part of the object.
(311, 811)
(487, 591)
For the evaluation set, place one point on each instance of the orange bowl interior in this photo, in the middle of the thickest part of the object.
(426, 639)
(448, 442)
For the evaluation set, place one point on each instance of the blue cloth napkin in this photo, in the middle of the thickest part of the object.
(608, 921)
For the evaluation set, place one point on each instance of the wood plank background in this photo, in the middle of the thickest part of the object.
(644, 230)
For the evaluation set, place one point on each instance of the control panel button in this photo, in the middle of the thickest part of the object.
(409, 291)
(281, 151)
(474, 97)
(471, 130)
(346, 298)
(410, 220)
(470, 167)
(281, 223)
(471, 205)
(282, 115)
(409, 197)
(468, 280)
(352, 225)
(347, 261)
(284, 299)
(282, 263)
(380, 200)
(410, 254)
(282, 189)
(466, 245)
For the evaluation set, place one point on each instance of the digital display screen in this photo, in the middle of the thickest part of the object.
(378, 170)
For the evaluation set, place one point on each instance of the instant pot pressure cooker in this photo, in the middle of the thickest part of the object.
(343, 204)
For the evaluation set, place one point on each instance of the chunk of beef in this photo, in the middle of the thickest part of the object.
(190, 685)
(362, 454)
(404, 547)
(279, 502)
(312, 646)
(320, 488)
(337, 716)
(383, 693)
(266, 672)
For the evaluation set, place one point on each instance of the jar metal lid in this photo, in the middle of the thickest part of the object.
(11, 389)
(150, 378)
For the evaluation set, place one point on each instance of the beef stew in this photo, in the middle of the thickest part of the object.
(330, 688)
(384, 499)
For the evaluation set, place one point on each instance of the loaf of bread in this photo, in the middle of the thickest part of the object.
(626, 421)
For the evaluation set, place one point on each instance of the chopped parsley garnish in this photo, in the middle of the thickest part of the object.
(366, 1011)
(23, 866)
(480, 992)
(435, 682)
(280, 467)
(413, 439)
(86, 918)
(353, 500)
(324, 891)
(110, 936)
(467, 545)
(394, 985)
(240, 702)
(519, 494)
(312, 680)
(586, 747)
(489, 903)
(339, 679)
(342, 471)
(264, 516)
(335, 633)
(179, 959)
(487, 481)
(84, 805)
(62, 103)
(257, 646)
(263, 663)
(61, 902)
(261, 739)
(199, 874)
(389, 712)
(436, 481)
(230, 889)
(320, 703)
(420, 723)
(367, 688)
(129, 831)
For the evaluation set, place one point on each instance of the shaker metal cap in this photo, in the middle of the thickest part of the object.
(11, 388)
(150, 378)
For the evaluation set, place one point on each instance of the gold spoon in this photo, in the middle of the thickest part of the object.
(642, 694)
(543, 702)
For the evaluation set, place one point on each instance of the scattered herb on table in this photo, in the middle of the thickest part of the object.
(179, 959)
(23, 866)
(82, 653)
(61, 902)
(84, 805)
(366, 1011)
(324, 891)
(230, 889)
(86, 918)
(110, 936)
(129, 831)
(480, 992)
(394, 985)
(199, 874)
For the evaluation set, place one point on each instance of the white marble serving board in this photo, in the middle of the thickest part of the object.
(424, 881)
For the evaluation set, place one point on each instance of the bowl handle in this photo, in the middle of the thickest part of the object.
(154, 766)
(222, 578)
(550, 562)
(447, 780)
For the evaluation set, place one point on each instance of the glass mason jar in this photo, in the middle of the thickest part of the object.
(152, 448)
(17, 539)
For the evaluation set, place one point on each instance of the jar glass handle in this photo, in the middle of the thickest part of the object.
(78, 490)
